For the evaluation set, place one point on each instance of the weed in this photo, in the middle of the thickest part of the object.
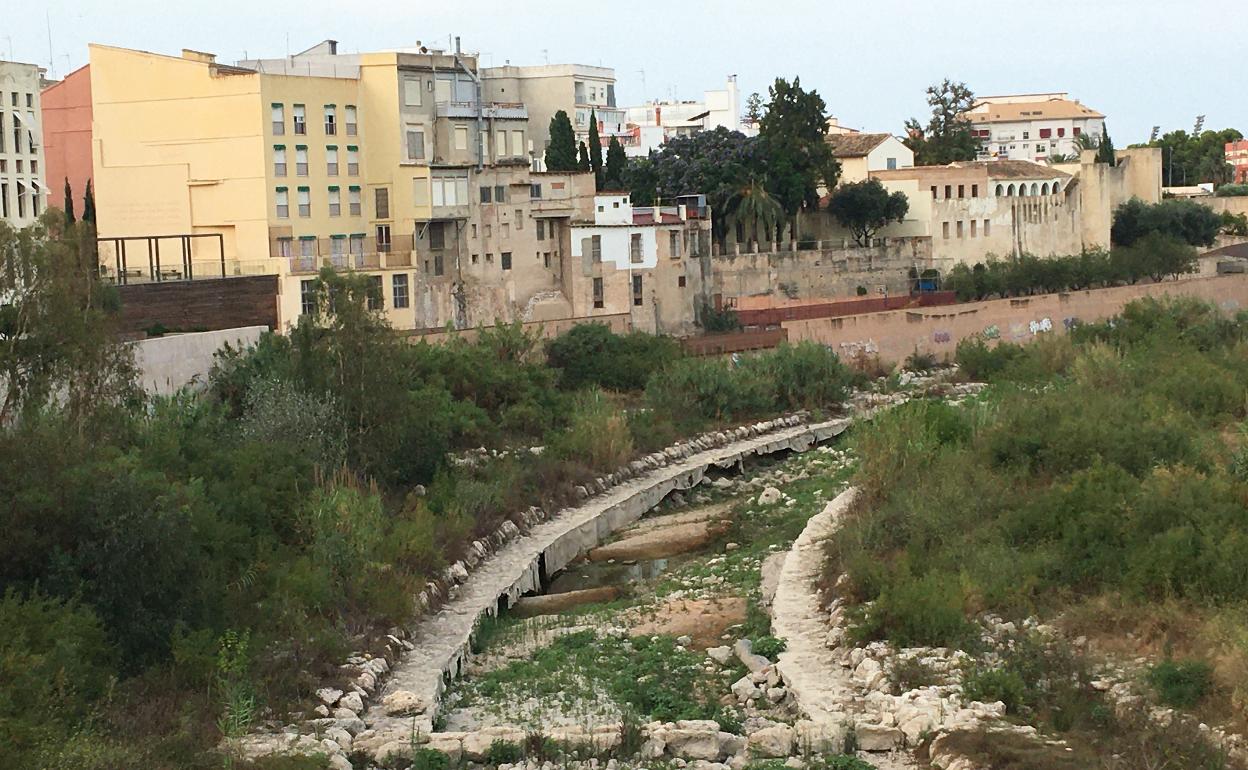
(768, 646)
(503, 752)
(430, 759)
(1181, 683)
(910, 673)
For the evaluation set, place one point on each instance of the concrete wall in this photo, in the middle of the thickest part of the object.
(894, 335)
(1235, 204)
(167, 364)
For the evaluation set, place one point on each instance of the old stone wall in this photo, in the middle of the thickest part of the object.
(894, 335)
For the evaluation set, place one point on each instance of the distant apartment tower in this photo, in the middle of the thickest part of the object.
(1237, 158)
(579, 90)
(653, 123)
(1032, 126)
(23, 194)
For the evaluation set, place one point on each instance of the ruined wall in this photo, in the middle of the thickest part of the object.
(1102, 188)
(894, 335)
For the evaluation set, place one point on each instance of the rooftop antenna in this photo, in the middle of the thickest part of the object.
(643, 82)
(546, 55)
(47, 17)
(1153, 136)
(1200, 123)
(10, 39)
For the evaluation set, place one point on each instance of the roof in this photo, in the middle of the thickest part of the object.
(1014, 112)
(854, 145)
(984, 169)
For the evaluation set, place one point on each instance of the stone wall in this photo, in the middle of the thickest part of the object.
(894, 335)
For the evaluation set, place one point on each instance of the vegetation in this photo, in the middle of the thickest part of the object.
(865, 207)
(1234, 224)
(561, 152)
(1190, 159)
(792, 136)
(947, 136)
(595, 148)
(1105, 150)
(1232, 190)
(1184, 220)
(614, 172)
(1182, 683)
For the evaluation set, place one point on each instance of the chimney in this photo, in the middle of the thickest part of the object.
(658, 114)
(333, 47)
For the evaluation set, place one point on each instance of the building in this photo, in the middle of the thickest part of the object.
(67, 136)
(860, 154)
(652, 263)
(1033, 127)
(23, 193)
(1237, 157)
(579, 90)
(653, 123)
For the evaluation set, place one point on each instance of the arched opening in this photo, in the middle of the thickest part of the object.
(1035, 188)
(1000, 191)
(1011, 192)
(1022, 189)
(1057, 186)
(1044, 189)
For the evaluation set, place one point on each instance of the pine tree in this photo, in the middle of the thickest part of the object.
(754, 108)
(69, 202)
(617, 163)
(561, 152)
(583, 162)
(1105, 150)
(595, 149)
(88, 204)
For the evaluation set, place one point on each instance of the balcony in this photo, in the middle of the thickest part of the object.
(499, 110)
(308, 256)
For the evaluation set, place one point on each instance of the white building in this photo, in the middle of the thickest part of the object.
(1032, 126)
(860, 154)
(652, 123)
(23, 194)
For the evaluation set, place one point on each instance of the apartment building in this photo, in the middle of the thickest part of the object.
(653, 123)
(652, 263)
(579, 90)
(1237, 158)
(860, 154)
(23, 193)
(1032, 127)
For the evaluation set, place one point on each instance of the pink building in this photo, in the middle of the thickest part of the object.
(67, 136)
(1237, 156)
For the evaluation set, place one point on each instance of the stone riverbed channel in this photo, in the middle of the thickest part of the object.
(673, 618)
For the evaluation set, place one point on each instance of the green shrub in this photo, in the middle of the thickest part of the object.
(982, 363)
(768, 646)
(988, 685)
(430, 759)
(597, 434)
(916, 611)
(503, 752)
(591, 354)
(908, 674)
(1181, 683)
(802, 376)
(696, 390)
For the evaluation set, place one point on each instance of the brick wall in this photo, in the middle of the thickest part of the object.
(219, 303)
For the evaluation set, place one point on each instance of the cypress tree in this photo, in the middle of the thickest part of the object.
(88, 204)
(583, 162)
(69, 202)
(613, 176)
(561, 152)
(1105, 150)
(595, 148)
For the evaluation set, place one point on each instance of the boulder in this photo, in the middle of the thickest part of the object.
(694, 743)
(477, 745)
(353, 701)
(401, 703)
(745, 653)
(720, 655)
(873, 737)
(744, 689)
(329, 695)
(339, 762)
(818, 737)
(771, 742)
(340, 736)
(769, 496)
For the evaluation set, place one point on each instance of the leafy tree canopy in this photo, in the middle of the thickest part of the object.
(1188, 159)
(865, 207)
(947, 136)
(792, 135)
(1184, 220)
(561, 153)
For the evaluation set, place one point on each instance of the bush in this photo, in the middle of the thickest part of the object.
(769, 647)
(988, 685)
(982, 363)
(694, 391)
(1183, 220)
(918, 611)
(591, 354)
(1181, 683)
(908, 674)
(597, 435)
(430, 759)
(503, 752)
(1231, 190)
(802, 376)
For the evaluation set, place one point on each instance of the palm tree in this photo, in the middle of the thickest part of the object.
(1087, 142)
(753, 208)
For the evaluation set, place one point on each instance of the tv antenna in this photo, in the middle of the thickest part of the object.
(1152, 137)
(1200, 124)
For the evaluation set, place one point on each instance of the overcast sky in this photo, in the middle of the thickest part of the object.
(1141, 62)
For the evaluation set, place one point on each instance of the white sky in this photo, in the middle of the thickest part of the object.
(1141, 62)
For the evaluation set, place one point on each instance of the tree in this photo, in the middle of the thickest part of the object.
(1160, 255)
(1187, 159)
(948, 136)
(595, 149)
(88, 204)
(1105, 150)
(561, 152)
(617, 162)
(1184, 220)
(755, 211)
(865, 207)
(69, 203)
(753, 109)
(583, 162)
(793, 135)
(641, 181)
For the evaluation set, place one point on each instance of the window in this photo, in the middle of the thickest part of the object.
(541, 229)
(474, 229)
(450, 190)
(891, 164)
(489, 259)
(307, 297)
(1, 132)
(4, 200)
(331, 160)
(356, 243)
(595, 248)
(506, 260)
(987, 227)
(283, 203)
(535, 191)
(945, 230)
(279, 120)
(279, 160)
(1039, 149)
(1046, 133)
(598, 301)
(437, 235)
(350, 115)
(959, 228)
(301, 160)
(973, 223)
(961, 191)
(500, 143)
(1077, 131)
(517, 142)
(1061, 132)
(411, 92)
(500, 194)
(415, 143)
(636, 291)
(381, 202)
(1026, 134)
(307, 245)
(948, 191)
(398, 287)
(305, 202)
(506, 230)
(934, 192)
(974, 191)
(674, 244)
(353, 202)
(301, 120)
(486, 194)
(474, 259)
(383, 238)
(21, 199)
(353, 161)
(680, 282)
(546, 259)
(284, 247)
(335, 202)
(331, 120)
(437, 264)
(337, 246)
(461, 137)
(376, 299)
(634, 248)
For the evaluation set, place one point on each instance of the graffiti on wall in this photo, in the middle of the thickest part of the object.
(1019, 331)
(940, 336)
(1041, 326)
(1070, 322)
(859, 347)
(992, 332)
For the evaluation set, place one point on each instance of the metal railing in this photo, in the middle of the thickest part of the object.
(156, 258)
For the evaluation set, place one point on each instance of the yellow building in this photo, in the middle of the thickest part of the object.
(384, 162)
